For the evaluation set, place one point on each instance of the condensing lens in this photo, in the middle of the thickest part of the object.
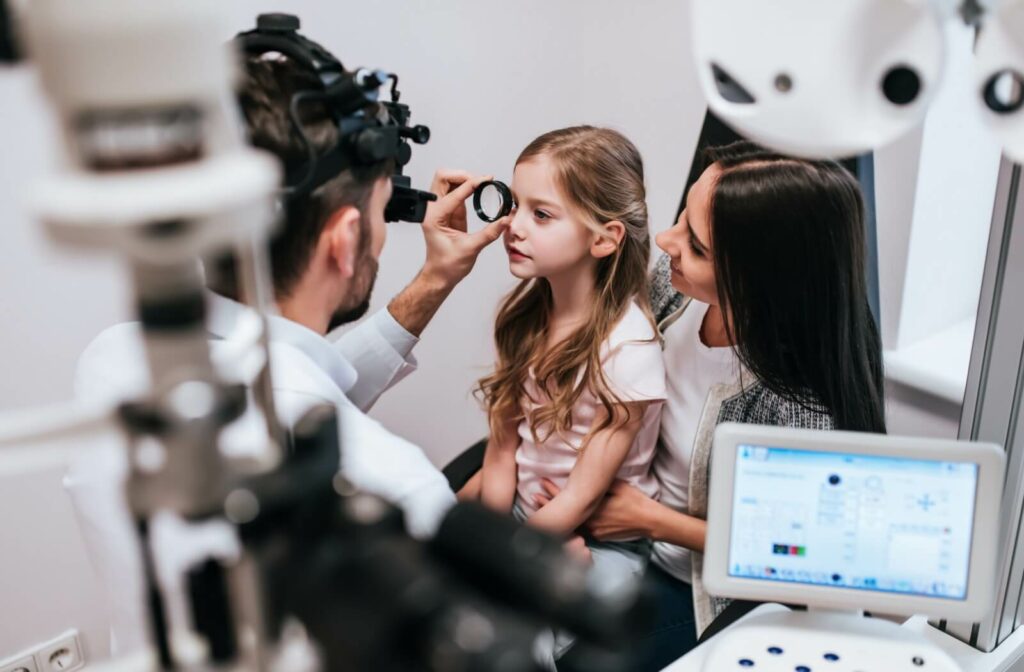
(492, 201)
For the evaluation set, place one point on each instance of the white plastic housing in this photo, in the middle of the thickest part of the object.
(815, 69)
(122, 75)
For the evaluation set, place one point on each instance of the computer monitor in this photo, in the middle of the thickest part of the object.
(854, 521)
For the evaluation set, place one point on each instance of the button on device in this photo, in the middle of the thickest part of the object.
(801, 668)
(831, 657)
(746, 662)
(774, 650)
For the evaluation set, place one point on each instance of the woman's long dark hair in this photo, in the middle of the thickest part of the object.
(787, 237)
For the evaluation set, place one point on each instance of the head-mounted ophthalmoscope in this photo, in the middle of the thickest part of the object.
(365, 136)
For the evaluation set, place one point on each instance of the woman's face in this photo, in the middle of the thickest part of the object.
(689, 243)
(545, 237)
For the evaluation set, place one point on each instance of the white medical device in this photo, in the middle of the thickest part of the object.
(847, 521)
(819, 79)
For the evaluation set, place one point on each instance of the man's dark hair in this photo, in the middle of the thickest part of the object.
(268, 84)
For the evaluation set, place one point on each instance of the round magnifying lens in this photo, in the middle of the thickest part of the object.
(492, 200)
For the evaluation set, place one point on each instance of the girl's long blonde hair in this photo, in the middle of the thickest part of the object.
(601, 174)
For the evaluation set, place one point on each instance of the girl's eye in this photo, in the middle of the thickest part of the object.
(697, 252)
(541, 215)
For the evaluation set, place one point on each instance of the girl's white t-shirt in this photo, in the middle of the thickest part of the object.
(692, 369)
(634, 370)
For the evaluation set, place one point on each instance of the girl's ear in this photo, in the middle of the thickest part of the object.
(605, 244)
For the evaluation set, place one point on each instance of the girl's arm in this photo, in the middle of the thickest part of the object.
(498, 474)
(471, 490)
(591, 476)
(627, 513)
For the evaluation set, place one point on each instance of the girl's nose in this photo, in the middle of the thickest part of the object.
(516, 226)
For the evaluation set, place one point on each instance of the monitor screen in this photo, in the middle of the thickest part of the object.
(852, 521)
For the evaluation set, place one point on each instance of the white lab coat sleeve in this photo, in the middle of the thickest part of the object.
(377, 461)
(380, 349)
(113, 367)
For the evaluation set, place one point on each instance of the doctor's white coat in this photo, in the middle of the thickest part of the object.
(307, 370)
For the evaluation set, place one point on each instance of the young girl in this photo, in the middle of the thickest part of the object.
(577, 392)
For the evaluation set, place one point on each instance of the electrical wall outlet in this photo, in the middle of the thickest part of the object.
(60, 654)
(63, 654)
(22, 664)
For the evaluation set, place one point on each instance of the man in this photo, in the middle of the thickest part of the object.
(324, 262)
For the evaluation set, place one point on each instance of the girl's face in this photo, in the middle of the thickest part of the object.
(545, 236)
(689, 243)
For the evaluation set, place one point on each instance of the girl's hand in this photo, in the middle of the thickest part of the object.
(622, 515)
(577, 548)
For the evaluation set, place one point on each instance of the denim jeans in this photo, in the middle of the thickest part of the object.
(674, 632)
(614, 561)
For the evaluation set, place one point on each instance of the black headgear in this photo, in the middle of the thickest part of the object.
(363, 138)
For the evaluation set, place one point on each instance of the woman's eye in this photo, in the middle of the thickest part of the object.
(696, 250)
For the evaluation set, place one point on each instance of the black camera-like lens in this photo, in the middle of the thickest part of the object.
(1004, 92)
(492, 200)
(901, 85)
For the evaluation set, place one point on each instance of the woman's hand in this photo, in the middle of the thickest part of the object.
(622, 515)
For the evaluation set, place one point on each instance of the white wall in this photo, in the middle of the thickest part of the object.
(913, 412)
(47, 583)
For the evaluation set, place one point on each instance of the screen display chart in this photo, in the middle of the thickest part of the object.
(852, 521)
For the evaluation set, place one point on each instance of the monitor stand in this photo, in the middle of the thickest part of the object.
(823, 641)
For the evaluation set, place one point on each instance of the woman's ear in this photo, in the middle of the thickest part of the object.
(606, 243)
(341, 238)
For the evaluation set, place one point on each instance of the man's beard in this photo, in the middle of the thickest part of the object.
(357, 302)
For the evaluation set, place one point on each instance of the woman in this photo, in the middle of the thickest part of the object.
(762, 301)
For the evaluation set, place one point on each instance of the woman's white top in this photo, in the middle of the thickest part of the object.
(692, 369)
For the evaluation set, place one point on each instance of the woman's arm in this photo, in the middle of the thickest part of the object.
(627, 513)
(498, 474)
(666, 524)
(591, 476)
